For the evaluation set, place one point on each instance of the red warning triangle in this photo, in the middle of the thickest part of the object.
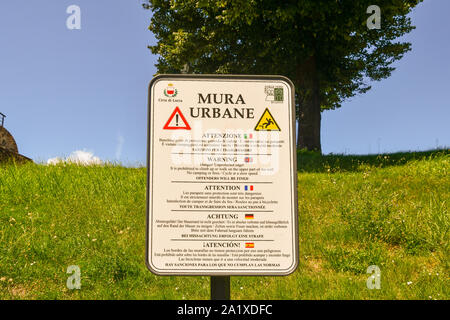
(177, 121)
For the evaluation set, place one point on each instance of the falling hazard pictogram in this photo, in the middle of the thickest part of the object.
(267, 122)
(177, 121)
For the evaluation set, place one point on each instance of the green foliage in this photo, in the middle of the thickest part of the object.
(282, 37)
(354, 211)
(312, 161)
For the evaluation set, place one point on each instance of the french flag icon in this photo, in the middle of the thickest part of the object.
(247, 188)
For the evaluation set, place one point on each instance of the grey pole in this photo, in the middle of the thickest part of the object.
(220, 288)
(2, 118)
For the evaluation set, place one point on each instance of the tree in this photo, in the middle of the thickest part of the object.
(324, 46)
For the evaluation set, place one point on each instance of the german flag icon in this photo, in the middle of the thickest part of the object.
(249, 216)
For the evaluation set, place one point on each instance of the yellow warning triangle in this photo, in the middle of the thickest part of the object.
(267, 122)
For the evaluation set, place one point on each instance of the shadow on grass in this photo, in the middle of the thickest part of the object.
(308, 161)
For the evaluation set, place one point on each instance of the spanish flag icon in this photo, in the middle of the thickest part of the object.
(249, 245)
(249, 216)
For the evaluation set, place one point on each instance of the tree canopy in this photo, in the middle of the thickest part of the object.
(324, 46)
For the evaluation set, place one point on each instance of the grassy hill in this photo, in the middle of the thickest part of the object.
(354, 211)
(6, 155)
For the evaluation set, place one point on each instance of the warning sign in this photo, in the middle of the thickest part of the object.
(222, 193)
(267, 122)
(177, 121)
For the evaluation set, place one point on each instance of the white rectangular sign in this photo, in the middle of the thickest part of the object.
(222, 176)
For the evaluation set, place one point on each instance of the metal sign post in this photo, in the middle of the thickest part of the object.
(222, 177)
(2, 119)
(220, 288)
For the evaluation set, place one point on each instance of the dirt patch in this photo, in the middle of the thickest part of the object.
(19, 292)
(315, 265)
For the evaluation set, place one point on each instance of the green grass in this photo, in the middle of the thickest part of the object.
(354, 211)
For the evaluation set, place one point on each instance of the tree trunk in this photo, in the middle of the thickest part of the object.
(309, 116)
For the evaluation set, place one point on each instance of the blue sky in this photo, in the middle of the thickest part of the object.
(66, 90)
